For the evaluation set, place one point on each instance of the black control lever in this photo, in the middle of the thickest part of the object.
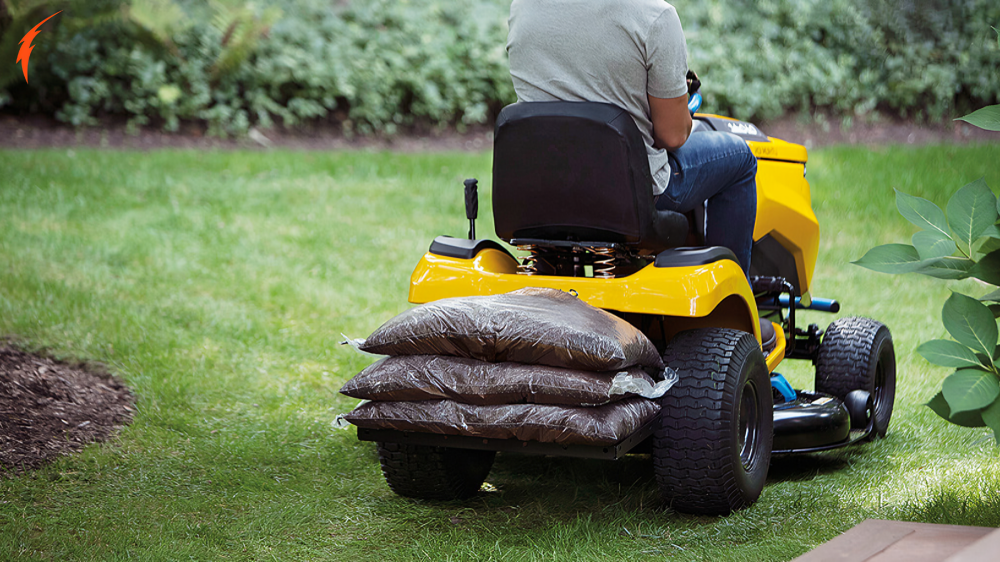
(472, 205)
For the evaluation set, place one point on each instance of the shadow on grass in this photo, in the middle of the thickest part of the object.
(805, 467)
(868, 458)
(574, 485)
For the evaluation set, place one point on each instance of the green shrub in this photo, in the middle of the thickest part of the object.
(917, 58)
(382, 63)
(376, 65)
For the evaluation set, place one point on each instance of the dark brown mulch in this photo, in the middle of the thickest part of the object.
(34, 132)
(49, 408)
(886, 131)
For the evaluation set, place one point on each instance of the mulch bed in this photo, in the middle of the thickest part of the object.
(33, 132)
(49, 408)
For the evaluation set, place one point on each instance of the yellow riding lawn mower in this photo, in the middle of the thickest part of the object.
(571, 192)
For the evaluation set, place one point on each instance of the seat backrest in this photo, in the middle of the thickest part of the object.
(576, 171)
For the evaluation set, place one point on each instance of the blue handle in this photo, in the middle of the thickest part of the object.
(781, 384)
(694, 102)
(823, 305)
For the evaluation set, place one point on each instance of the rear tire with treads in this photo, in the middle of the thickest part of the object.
(712, 448)
(434, 473)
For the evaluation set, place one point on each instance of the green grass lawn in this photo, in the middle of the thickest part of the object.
(217, 284)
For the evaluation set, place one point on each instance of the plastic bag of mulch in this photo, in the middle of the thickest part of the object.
(533, 326)
(571, 425)
(434, 377)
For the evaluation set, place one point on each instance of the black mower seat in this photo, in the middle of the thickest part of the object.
(577, 171)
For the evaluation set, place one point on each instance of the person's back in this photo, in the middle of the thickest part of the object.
(600, 50)
(632, 53)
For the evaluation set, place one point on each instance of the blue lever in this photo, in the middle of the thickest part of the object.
(782, 385)
(694, 102)
(823, 305)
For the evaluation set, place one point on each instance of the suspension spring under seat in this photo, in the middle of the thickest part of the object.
(604, 265)
(530, 264)
(600, 260)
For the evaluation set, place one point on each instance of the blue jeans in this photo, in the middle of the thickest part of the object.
(717, 167)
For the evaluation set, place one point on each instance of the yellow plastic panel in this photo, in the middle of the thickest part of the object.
(693, 291)
(784, 210)
(778, 149)
(778, 353)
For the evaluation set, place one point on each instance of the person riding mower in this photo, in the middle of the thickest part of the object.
(571, 192)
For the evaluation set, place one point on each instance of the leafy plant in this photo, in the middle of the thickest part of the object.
(234, 64)
(960, 243)
(988, 117)
(376, 65)
(924, 59)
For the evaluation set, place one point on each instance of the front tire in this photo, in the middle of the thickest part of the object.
(434, 473)
(712, 449)
(857, 354)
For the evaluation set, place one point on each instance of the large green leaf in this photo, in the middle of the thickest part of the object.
(971, 418)
(986, 118)
(993, 231)
(970, 322)
(891, 258)
(971, 211)
(946, 268)
(991, 417)
(987, 244)
(948, 354)
(922, 213)
(988, 268)
(931, 244)
(970, 389)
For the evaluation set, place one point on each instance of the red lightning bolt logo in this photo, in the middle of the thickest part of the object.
(26, 47)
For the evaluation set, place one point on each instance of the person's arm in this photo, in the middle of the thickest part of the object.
(666, 86)
(671, 121)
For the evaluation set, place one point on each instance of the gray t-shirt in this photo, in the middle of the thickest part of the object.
(614, 51)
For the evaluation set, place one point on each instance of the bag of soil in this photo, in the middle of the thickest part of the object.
(571, 425)
(435, 377)
(533, 326)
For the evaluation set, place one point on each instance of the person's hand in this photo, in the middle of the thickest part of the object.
(694, 84)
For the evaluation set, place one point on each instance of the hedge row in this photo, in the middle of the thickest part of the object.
(916, 58)
(376, 65)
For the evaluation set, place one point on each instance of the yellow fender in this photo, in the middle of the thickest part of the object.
(711, 295)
